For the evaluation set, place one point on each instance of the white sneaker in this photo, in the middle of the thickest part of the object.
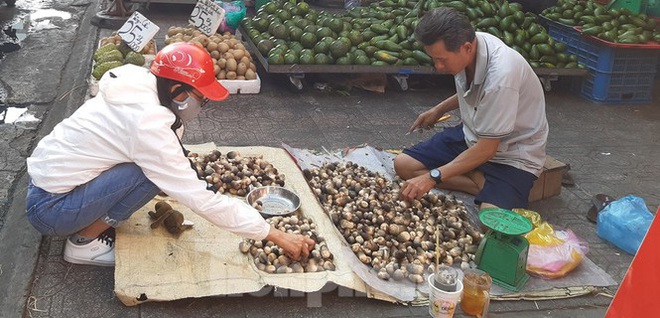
(99, 252)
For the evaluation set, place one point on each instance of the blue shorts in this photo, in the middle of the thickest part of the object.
(506, 187)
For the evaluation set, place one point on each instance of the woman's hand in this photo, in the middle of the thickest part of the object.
(295, 246)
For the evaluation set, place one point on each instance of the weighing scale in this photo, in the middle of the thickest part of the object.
(503, 250)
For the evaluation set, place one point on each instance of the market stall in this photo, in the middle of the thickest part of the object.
(295, 39)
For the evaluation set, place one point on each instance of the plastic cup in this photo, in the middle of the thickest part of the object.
(442, 304)
(476, 296)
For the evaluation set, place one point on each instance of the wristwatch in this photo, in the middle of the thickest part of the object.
(436, 175)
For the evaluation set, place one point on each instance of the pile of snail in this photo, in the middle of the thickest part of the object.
(398, 239)
(233, 174)
(269, 258)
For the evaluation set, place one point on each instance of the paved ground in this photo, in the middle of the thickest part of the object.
(611, 149)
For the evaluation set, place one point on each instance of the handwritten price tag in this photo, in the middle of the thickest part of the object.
(207, 16)
(137, 31)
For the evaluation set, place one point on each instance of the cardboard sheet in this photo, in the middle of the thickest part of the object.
(153, 265)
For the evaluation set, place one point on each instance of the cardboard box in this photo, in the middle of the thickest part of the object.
(549, 182)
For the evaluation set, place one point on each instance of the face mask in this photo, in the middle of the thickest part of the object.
(189, 108)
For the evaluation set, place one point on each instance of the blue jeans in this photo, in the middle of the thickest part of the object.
(113, 197)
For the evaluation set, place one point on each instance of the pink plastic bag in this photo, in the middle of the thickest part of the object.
(554, 261)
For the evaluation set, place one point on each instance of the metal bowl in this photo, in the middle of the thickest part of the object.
(274, 200)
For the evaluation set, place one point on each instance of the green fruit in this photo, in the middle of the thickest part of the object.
(370, 50)
(283, 14)
(295, 47)
(495, 31)
(303, 23)
(339, 48)
(303, 8)
(362, 60)
(421, 57)
(534, 53)
(295, 33)
(276, 51)
(486, 8)
(560, 47)
(535, 28)
(385, 56)
(306, 59)
(321, 47)
(323, 32)
(545, 49)
(260, 24)
(508, 38)
(485, 23)
(368, 34)
(379, 29)
(113, 55)
(335, 25)
(264, 46)
(308, 40)
(279, 31)
(506, 23)
(519, 17)
(290, 58)
(134, 58)
(355, 37)
(379, 63)
(124, 48)
(270, 7)
(539, 38)
(311, 29)
(344, 60)
(102, 68)
(276, 58)
(458, 5)
(321, 58)
(593, 30)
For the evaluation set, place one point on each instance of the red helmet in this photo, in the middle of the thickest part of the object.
(190, 64)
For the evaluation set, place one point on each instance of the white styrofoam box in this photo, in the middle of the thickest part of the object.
(242, 86)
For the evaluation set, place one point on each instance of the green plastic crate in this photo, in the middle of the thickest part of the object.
(635, 6)
(653, 8)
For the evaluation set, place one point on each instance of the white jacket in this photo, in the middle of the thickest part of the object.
(126, 123)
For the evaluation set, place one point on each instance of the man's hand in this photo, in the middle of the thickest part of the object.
(294, 245)
(417, 187)
(426, 120)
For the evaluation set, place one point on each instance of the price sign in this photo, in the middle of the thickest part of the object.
(207, 16)
(137, 31)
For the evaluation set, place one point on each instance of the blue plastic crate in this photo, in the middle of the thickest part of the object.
(565, 34)
(602, 58)
(613, 88)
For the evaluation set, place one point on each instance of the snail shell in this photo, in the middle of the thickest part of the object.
(382, 274)
(244, 247)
